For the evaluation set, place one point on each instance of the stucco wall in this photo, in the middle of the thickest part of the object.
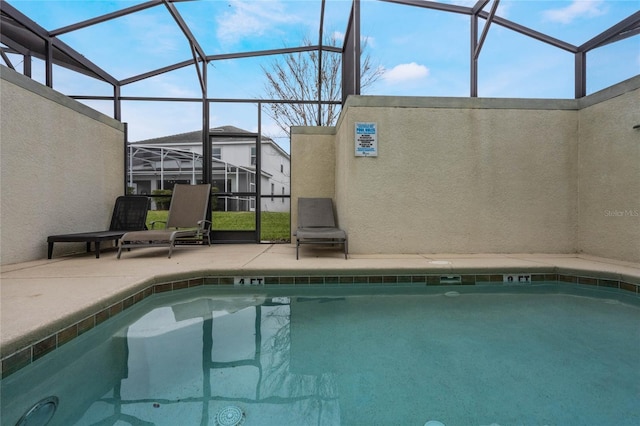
(62, 168)
(609, 183)
(485, 175)
(460, 176)
(312, 165)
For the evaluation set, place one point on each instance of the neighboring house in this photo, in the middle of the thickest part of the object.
(161, 162)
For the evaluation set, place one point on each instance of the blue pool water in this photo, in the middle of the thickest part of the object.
(540, 355)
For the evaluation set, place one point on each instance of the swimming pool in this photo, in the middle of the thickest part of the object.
(461, 355)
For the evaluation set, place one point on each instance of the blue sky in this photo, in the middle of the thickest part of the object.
(422, 52)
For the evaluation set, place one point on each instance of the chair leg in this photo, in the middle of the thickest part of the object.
(297, 248)
(50, 251)
(97, 244)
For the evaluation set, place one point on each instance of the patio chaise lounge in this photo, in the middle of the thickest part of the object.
(317, 225)
(186, 222)
(129, 214)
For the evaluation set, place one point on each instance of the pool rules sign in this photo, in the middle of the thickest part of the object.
(366, 140)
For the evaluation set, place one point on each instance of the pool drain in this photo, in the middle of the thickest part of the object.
(230, 416)
(40, 413)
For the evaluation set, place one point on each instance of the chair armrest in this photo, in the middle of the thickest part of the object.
(204, 225)
(153, 223)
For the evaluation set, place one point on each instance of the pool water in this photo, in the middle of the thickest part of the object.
(543, 355)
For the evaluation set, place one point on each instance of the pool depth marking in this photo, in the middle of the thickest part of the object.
(248, 281)
(517, 278)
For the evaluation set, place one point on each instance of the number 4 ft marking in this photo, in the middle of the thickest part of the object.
(248, 281)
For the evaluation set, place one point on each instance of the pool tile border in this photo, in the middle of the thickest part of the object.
(25, 356)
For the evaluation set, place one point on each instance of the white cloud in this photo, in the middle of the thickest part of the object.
(368, 41)
(338, 35)
(252, 18)
(406, 72)
(577, 9)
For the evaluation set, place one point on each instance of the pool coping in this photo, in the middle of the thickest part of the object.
(28, 348)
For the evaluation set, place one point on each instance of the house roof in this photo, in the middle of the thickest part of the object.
(221, 133)
(196, 136)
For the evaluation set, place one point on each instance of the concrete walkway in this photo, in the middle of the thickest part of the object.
(42, 297)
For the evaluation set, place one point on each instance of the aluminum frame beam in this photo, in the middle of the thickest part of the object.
(477, 10)
(6, 59)
(224, 56)
(580, 75)
(196, 50)
(47, 46)
(270, 52)
(485, 30)
(351, 54)
(480, 4)
(58, 52)
(105, 18)
(626, 28)
(531, 33)
(320, 35)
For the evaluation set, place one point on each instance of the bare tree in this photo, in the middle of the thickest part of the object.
(295, 77)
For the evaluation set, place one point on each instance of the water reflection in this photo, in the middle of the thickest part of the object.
(186, 362)
(400, 359)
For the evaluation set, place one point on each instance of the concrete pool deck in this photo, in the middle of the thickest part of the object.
(41, 298)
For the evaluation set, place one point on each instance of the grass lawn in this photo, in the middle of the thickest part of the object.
(274, 226)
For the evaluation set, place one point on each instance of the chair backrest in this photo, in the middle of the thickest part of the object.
(188, 205)
(315, 213)
(130, 213)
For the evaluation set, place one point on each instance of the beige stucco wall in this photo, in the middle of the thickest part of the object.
(459, 176)
(62, 166)
(609, 184)
(312, 165)
(484, 175)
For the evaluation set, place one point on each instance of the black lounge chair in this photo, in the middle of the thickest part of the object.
(129, 214)
(186, 222)
(317, 224)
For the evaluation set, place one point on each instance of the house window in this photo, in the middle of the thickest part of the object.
(217, 152)
(283, 195)
(253, 155)
(273, 187)
(281, 168)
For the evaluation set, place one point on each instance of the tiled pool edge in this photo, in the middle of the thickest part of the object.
(23, 357)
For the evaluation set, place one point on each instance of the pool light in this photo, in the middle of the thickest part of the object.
(40, 413)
